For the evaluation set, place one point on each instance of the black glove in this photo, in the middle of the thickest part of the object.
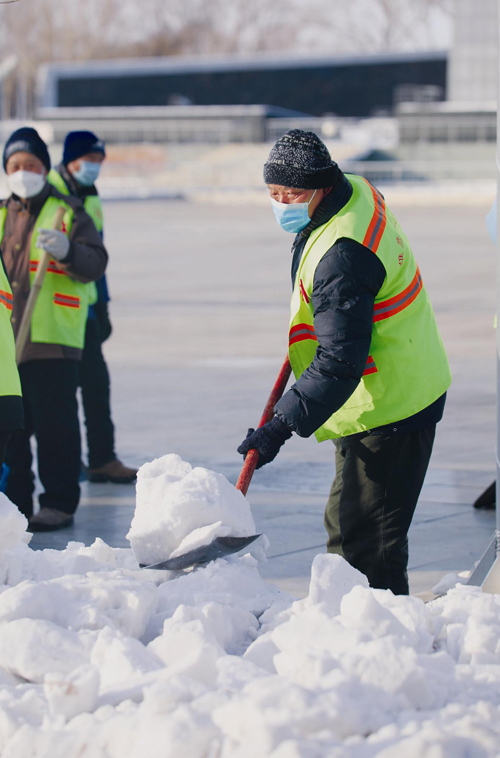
(267, 440)
(102, 315)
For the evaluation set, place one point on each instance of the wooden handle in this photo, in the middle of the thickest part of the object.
(252, 457)
(43, 263)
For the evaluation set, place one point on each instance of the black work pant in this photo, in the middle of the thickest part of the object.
(94, 381)
(4, 438)
(51, 414)
(377, 483)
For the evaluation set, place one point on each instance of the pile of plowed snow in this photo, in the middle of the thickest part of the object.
(179, 508)
(99, 659)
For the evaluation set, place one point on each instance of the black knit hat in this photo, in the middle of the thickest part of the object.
(26, 140)
(300, 159)
(77, 144)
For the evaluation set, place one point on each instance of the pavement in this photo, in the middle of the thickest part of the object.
(199, 307)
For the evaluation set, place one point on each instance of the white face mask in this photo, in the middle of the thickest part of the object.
(26, 183)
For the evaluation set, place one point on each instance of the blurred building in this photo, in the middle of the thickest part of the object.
(469, 115)
(351, 86)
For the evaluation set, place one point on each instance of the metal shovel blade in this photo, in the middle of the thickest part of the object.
(218, 548)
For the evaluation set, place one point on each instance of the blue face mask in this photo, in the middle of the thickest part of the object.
(292, 217)
(87, 173)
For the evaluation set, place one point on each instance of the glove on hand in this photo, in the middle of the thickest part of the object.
(102, 315)
(55, 243)
(267, 440)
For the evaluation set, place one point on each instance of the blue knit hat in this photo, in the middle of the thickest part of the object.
(77, 144)
(26, 140)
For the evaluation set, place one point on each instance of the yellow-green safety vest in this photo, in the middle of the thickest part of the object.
(61, 309)
(9, 376)
(92, 203)
(407, 367)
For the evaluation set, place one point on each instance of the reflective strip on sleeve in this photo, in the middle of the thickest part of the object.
(301, 332)
(371, 366)
(395, 304)
(67, 300)
(6, 299)
(377, 224)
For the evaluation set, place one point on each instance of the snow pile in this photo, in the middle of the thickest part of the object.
(179, 508)
(99, 659)
(13, 525)
(449, 581)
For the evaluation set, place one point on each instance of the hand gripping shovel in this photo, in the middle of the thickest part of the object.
(24, 327)
(220, 547)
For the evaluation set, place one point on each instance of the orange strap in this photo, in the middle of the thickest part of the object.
(377, 224)
(395, 304)
(68, 300)
(301, 332)
(6, 299)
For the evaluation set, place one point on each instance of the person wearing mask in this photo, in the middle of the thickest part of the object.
(370, 367)
(49, 364)
(76, 175)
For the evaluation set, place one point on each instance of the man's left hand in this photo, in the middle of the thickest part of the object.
(267, 440)
(54, 243)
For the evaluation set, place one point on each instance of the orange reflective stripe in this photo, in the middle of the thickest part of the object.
(395, 304)
(303, 292)
(6, 299)
(68, 300)
(377, 224)
(371, 366)
(301, 332)
(52, 268)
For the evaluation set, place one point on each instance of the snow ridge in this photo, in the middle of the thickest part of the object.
(99, 659)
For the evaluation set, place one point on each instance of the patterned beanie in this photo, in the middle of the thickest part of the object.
(300, 159)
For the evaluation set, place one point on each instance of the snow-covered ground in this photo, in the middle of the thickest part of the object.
(100, 659)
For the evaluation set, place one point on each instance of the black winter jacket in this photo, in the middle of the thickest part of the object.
(346, 282)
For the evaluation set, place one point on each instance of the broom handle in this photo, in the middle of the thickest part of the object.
(43, 263)
(252, 457)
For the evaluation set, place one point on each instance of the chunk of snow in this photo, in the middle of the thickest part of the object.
(83, 602)
(71, 694)
(449, 581)
(174, 501)
(32, 648)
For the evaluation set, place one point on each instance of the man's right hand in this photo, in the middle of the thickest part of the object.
(267, 440)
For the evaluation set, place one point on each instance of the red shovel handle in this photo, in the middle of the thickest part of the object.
(252, 457)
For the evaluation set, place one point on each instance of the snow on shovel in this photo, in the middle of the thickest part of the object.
(220, 547)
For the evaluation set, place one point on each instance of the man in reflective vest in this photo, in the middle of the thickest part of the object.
(48, 367)
(370, 367)
(11, 403)
(76, 175)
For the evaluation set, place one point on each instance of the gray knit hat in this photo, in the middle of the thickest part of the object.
(300, 159)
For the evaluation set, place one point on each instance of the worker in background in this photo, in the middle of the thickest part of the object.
(11, 402)
(83, 155)
(49, 365)
(371, 370)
